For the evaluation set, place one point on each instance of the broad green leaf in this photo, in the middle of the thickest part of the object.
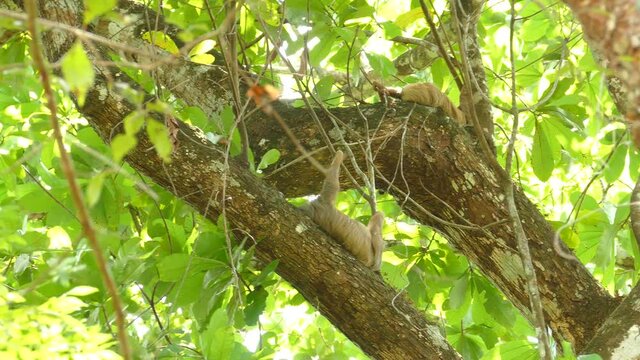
(512, 350)
(458, 293)
(266, 271)
(324, 86)
(82, 291)
(256, 303)
(121, 145)
(590, 357)
(159, 136)
(269, 158)
(78, 71)
(381, 65)
(94, 189)
(93, 8)
(541, 154)
(202, 47)
(133, 123)
(470, 346)
(217, 340)
(616, 163)
(161, 40)
(176, 266)
(534, 30)
(205, 59)
(391, 30)
(21, 263)
(408, 18)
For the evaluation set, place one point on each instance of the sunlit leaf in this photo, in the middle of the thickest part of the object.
(159, 136)
(541, 155)
(78, 71)
(93, 9)
(161, 40)
(616, 163)
(269, 158)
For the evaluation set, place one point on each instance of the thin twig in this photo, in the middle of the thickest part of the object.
(76, 195)
(535, 302)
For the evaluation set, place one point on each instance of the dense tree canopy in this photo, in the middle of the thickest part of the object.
(153, 154)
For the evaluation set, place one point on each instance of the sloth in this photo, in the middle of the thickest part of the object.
(364, 242)
(424, 94)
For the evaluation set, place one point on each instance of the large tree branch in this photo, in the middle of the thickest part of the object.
(373, 315)
(426, 158)
(441, 171)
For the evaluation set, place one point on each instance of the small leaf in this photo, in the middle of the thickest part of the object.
(22, 262)
(77, 71)
(381, 65)
(271, 157)
(82, 291)
(202, 47)
(121, 145)
(206, 59)
(391, 30)
(161, 40)
(133, 123)
(458, 292)
(616, 163)
(217, 340)
(94, 189)
(266, 271)
(93, 9)
(541, 155)
(159, 136)
(256, 303)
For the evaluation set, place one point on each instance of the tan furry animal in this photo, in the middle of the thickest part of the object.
(364, 242)
(424, 94)
(428, 94)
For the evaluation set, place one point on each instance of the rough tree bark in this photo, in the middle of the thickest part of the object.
(419, 151)
(617, 339)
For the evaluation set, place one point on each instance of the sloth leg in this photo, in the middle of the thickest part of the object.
(331, 185)
(377, 244)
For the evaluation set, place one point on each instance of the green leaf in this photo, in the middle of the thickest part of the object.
(256, 303)
(121, 145)
(381, 65)
(519, 349)
(616, 163)
(408, 18)
(323, 87)
(203, 47)
(269, 158)
(541, 154)
(133, 122)
(590, 357)
(93, 9)
(264, 274)
(82, 291)
(206, 59)
(159, 136)
(174, 267)
(77, 71)
(534, 30)
(161, 40)
(391, 30)
(458, 293)
(218, 338)
(94, 189)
